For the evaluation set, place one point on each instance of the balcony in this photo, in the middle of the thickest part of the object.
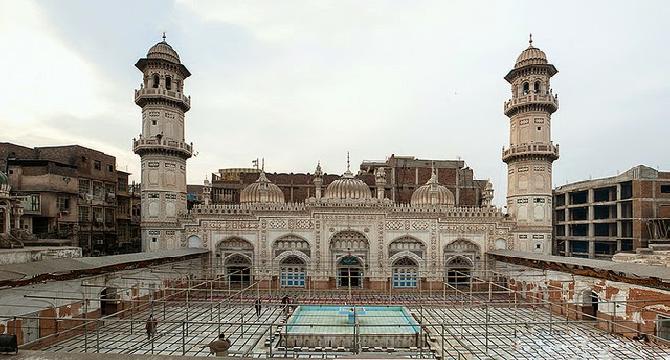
(549, 150)
(151, 93)
(533, 98)
(160, 144)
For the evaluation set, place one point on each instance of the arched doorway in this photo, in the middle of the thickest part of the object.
(238, 270)
(108, 302)
(405, 273)
(458, 270)
(292, 272)
(349, 272)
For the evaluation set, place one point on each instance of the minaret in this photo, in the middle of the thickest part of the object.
(531, 151)
(161, 146)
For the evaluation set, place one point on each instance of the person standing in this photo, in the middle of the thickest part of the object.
(220, 346)
(151, 327)
(258, 307)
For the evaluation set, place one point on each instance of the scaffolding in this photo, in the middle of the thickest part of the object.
(481, 319)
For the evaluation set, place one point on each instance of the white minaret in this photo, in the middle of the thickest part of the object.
(531, 151)
(161, 146)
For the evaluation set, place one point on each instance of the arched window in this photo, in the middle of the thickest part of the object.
(526, 88)
(168, 83)
(176, 85)
(292, 272)
(536, 87)
(156, 81)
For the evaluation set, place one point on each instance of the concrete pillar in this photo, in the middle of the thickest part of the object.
(7, 209)
(592, 249)
(567, 248)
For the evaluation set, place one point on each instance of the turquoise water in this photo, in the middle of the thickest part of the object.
(329, 319)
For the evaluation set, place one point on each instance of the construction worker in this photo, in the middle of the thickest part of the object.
(151, 326)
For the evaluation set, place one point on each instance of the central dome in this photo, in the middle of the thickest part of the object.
(348, 187)
(164, 51)
(432, 194)
(262, 191)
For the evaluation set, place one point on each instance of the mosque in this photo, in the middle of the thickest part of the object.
(347, 234)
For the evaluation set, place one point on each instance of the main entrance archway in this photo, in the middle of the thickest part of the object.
(458, 270)
(349, 272)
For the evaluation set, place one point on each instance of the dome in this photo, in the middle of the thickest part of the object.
(348, 187)
(262, 191)
(432, 194)
(530, 56)
(164, 51)
(4, 180)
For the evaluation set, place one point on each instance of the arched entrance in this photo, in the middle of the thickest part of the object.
(349, 272)
(458, 270)
(405, 273)
(292, 272)
(108, 302)
(238, 270)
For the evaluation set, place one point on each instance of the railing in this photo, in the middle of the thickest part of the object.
(164, 143)
(532, 98)
(528, 149)
(151, 92)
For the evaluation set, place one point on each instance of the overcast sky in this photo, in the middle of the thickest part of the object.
(301, 81)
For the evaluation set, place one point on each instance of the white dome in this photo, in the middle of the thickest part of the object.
(432, 194)
(348, 187)
(262, 191)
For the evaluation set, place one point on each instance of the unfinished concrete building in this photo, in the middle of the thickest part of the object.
(69, 196)
(601, 217)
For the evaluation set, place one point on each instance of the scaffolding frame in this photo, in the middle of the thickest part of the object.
(485, 318)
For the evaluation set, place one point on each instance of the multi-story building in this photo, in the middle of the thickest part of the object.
(598, 218)
(70, 192)
(404, 175)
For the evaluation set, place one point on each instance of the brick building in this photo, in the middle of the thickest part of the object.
(598, 218)
(73, 193)
(404, 173)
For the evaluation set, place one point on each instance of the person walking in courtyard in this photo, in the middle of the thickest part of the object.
(220, 346)
(151, 327)
(258, 307)
(284, 301)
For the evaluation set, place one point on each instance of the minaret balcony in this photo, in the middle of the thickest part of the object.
(143, 94)
(550, 100)
(155, 144)
(550, 151)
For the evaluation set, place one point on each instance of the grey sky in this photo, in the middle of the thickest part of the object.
(301, 81)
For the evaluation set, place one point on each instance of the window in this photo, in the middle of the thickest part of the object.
(168, 83)
(84, 186)
(404, 277)
(97, 165)
(539, 128)
(663, 327)
(110, 168)
(97, 215)
(665, 189)
(84, 214)
(156, 81)
(34, 203)
(526, 88)
(98, 190)
(63, 203)
(109, 216)
(154, 122)
(536, 87)
(176, 85)
(153, 239)
(292, 277)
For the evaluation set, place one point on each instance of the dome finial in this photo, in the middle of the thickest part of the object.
(163, 36)
(348, 165)
(530, 40)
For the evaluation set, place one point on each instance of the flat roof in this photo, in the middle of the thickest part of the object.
(640, 274)
(67, 268)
